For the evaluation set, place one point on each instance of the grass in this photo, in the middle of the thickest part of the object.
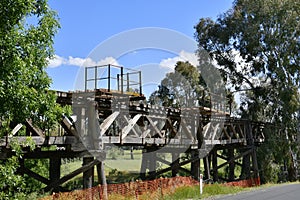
(188, 192)
(120, 162)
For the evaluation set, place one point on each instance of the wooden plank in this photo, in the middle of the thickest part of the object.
(206, 129)
(71, 175)
(135, 129)
(68, 126)
(215, 130)
(131, 123)
(33, 129)
(170, 168)
(54, 154)
(154, 126)
(224, 130)
(234, 131)
(234, 158)
(186, 130)
(108, 122)
(35, 175)
(40, 141)
(170, 125)
(16, 129)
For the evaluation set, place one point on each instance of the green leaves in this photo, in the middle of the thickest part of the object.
(27, 28)
(23, 58)
(266, 35)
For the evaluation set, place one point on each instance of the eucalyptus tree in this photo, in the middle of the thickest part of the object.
(257, 44)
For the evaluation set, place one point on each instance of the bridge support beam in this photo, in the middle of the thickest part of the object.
(206, 162)
(231, 164)
(54, 170)
(175, 163)
(215, 164)
(88, 175)
(148, 166)
(152, 164)
(254, 162)
(246, 170)
(195, 164)
(102, 178)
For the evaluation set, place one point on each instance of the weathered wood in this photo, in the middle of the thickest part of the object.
(16, 129)
(54, 170)
(169, 168)
(206, 162)
(35, 175)
(40, 140)
(102, 178)
(36, 131)
(215, 165)
(234, 158)
(131, 123)
(88, 175)
(108, 122)
(69, 127)
(195, 164)
(225, 158)
(175, 163)
(71, 175)
(231, 164)
(54, 154)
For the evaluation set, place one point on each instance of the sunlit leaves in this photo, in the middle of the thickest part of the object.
(24, 52)
(266, 35)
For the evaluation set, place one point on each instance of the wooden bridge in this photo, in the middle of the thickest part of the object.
(106, 117)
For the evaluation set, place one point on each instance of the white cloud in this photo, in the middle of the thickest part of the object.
(183, 56)
(170, 62)
(57, 61)
(76, 61)
(108, 60)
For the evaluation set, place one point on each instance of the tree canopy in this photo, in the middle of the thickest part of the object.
(27, 29)
(182, 88)
(257, 44)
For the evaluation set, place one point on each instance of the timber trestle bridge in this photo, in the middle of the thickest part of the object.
(122, 117)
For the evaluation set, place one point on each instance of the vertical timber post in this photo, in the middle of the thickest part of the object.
(144, 165)
(88, 176)
(195, 164)
(254, 162)
(231, 164)
(148, 162)
(54, 170)
(215, 164)
(206, 162)
(245, 173)
(102, 178)
(152, 164)
(175, 163)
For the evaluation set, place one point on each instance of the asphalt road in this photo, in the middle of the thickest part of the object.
(278, 192)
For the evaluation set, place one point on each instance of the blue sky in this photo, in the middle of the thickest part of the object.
(86, 24)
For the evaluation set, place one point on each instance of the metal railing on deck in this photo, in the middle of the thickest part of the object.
(113, 78)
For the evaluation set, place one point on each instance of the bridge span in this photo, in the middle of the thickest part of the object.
(106, 117)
